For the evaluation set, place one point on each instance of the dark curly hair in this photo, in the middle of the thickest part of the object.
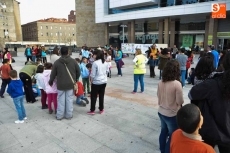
(171, 71)
(205, 67)
(165, 51)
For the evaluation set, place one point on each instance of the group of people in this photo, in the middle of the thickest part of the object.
(35, 53)
(207, 117)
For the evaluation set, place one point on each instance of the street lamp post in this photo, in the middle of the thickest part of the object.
(123, 32)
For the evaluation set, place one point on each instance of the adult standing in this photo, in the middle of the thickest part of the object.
(212, 96)
(65, 84)
(164, 57)
(25, 75)
(174, 52)
(216, 57)
(98, 79)
(170, 99)
(7, 55)
(139, 70)
(85, 53)
(55, 55)
(118, 61)
(38, 52)
(28, 53)
(182, 59)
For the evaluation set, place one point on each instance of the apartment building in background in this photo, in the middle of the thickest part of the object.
(181, 22)
(10, 21)
(72, 16)
(50, 30)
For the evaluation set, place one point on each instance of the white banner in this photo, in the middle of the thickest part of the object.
(129, 48)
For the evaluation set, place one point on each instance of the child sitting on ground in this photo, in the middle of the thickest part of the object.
(35, 88)
(187, 138)
(80, 95)
(191, 76)
(16, 92)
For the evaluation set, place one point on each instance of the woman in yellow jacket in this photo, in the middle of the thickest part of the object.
(139, 70)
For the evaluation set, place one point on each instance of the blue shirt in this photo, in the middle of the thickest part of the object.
(118, 57)
(15, 88)
(85, 53)
(43, 53)
(216, 58)
(84, 71)
(28, 52)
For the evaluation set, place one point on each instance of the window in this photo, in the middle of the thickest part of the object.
(56, 34)
(41, 27)
(41, 34)
(47, 34)
(51, 27)
(73, 34)
(60, 28)
(69, 34)
(47, 27)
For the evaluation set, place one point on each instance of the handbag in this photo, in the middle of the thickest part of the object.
(74, 83)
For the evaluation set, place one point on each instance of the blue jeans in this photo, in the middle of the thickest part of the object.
(156, 62)
(168, 126)
(79, 98)
(18, 102)
(182, 73)
(118, 68)
(139, 77)
(34, 58)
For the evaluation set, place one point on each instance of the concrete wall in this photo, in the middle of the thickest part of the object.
(87, 31)
(17, 20)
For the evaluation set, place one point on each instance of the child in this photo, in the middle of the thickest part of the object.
(51, 91)
(108, 60)
(151, 67)
(187, 138)
(41, 85)
(78, 61)
(39, 61)
(16, 92)
(35, 88)
(91, 59)
(5, 75)
(85, 74)
(191, 76)
(80, 95)
(43, 54)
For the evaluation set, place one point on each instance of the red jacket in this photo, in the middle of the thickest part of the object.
(80, 89)
(189, 61)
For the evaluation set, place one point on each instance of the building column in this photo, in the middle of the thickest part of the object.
(107, 33)
(172, 33)
(131, 32)
(211, 26)
(160, 31)
(166, 31)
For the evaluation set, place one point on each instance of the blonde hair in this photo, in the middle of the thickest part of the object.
(138, 51)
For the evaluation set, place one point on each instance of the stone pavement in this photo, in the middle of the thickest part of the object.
(130, 123)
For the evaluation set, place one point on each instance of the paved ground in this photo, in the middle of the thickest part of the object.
(129, 125)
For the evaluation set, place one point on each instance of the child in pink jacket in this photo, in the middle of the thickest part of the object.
(51, 91)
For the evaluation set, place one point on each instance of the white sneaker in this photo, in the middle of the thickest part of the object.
(18, 121)
(25, 118)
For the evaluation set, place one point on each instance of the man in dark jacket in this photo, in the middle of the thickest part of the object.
(65, 84)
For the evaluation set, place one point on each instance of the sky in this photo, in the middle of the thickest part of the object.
(32, 10)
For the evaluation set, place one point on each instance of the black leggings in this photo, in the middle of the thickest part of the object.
(95, 90)
(27, 83)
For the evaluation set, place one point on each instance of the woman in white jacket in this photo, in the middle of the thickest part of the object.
(54, 56)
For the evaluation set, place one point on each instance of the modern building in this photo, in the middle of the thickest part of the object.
(51, 30)
(72, 16)
(182, 22)
(10, 22)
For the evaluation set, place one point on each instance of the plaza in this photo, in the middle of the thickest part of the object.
(130, 123)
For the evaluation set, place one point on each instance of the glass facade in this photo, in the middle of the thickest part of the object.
(191, 40)
(162, 3)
